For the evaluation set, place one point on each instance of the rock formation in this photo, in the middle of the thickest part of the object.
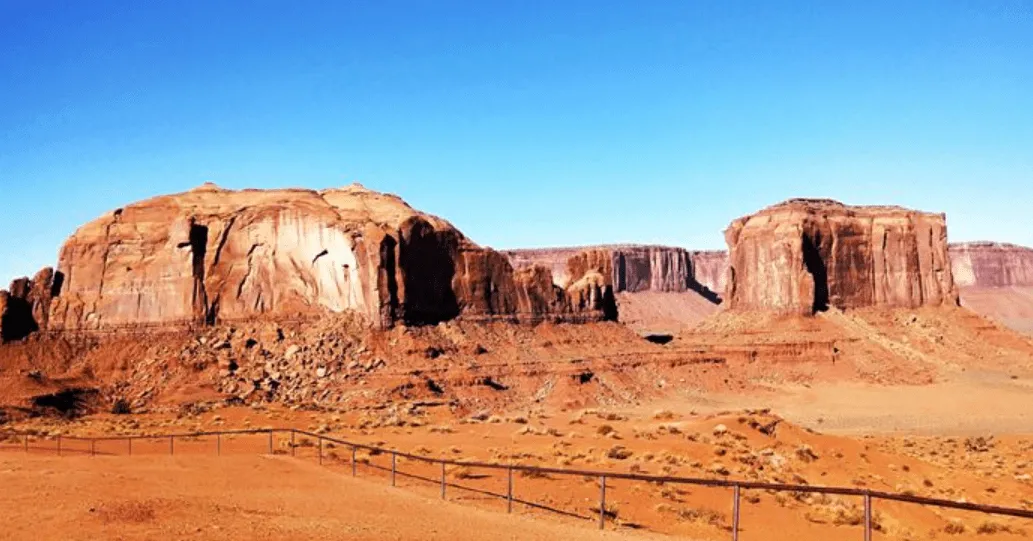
(803, 255)
(710, 269)
(634, 268)
(211, 255)
(991, 264)
(25, 307)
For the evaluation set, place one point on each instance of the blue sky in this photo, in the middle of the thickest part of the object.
(525, 123)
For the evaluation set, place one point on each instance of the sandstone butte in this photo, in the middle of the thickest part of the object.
(805, 255)
(634, 268)
(214, 255)
(991, 264)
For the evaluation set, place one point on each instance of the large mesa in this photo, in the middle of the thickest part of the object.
(805, 255)
(213, 255)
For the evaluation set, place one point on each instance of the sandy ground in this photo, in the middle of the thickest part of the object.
(969, 404)
(256, 497)
(932, 402)
(1012, 306)
(286, 500)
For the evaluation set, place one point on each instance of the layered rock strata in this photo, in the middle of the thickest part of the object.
(211, 255)
(634, 268)
(991, 264)
(804, 255)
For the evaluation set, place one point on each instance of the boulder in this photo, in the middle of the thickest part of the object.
(212, 254)
(804, 255)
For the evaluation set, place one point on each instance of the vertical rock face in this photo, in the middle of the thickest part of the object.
(991, 264)
(710, 269)
(803, 256)
(218, 255)
(632, 268)
(25, 307)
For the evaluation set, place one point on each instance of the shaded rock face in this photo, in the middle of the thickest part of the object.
(803, 256)
(25, 307)
(991, 264)
(213, 255)
(632, 268)
(710, 269)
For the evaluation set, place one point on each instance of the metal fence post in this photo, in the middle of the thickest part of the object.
(293, 453)
(867, 516)
(320, 450)
(172, 445)
(218, 444)
(354, 467)
(442, 480)
(509, 491)
(602, 502)
(93, 447)
(735, 513)
(394, 467)
(26, 443)
(270, 442)
(59, 445)
(130, 441)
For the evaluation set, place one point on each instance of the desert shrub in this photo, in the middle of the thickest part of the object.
(703, 516)
(954, 527)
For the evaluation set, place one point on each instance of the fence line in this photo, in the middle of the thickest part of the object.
(868, 495)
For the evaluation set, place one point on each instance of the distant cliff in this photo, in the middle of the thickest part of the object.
(634, 268)
(991, 264)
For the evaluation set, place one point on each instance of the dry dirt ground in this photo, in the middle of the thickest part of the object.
(749, 445)
(1012, 306)
(237, 498)
(931, 402)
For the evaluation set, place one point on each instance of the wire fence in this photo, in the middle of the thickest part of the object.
(436, 470)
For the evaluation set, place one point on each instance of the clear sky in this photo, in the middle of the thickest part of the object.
(525, 123)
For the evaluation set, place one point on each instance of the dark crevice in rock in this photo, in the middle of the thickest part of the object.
(815, 265)
(198, 249)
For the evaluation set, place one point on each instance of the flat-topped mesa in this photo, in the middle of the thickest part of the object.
(211, 255)
(804, 255)
(632, 268)
(991, 264)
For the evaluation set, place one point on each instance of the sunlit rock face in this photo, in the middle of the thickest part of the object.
(991, 264)
(212, 255)
(803, 256)
(634, 268)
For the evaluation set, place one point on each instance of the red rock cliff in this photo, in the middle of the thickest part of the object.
(991, 264)
(805, 255)
(25, 307)
(218, 255)
(633, 268)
